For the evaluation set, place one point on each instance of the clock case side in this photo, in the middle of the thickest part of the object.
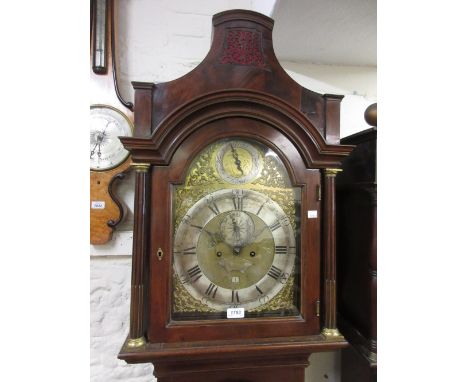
(169, 116)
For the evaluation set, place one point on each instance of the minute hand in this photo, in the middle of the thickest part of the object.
(257, 234)
(236, 159)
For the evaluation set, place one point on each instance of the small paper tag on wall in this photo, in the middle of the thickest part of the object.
(98, 205)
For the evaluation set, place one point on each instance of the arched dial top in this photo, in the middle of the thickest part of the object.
(235, 231)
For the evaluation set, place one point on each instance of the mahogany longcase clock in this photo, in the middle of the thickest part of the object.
(233, 273)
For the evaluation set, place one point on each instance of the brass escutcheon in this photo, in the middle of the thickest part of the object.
(160, 254)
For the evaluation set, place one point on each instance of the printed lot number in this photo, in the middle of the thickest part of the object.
(235, 313)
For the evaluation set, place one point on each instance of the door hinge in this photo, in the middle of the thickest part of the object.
(317, 308)
(318, 191)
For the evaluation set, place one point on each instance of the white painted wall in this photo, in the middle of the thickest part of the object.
(160, 40)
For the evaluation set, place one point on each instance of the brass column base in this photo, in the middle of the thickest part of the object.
(136, 342)
(332, 334)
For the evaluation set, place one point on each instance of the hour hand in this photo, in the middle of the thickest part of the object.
(213, 238)
(257, 234)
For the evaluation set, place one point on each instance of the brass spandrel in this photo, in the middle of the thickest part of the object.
(184, 301)
(283, 300)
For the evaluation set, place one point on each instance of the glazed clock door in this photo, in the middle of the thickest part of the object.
(238, 255)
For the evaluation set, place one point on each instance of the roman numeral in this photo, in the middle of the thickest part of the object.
(281, 249)
(187, 251)
(186, 219)
(194, 273)
(237, 199)
(235, 296)
(275, 272)
(211, 290)
(212, 206)
(258, 289)
(275, 225)
(260, 208)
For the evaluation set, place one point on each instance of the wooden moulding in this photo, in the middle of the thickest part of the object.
(274, 359)
(160, 147)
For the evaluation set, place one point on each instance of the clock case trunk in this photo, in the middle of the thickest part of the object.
(239, 91)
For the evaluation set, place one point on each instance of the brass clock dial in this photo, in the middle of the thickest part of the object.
(235, 231)
(234, 248)
(106, 125)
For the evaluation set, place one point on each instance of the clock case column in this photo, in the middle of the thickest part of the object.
(330, 329)
(139, 281)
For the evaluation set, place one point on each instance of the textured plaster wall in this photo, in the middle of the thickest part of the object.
(160, 40)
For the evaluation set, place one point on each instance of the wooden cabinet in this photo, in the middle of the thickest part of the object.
(357, 257)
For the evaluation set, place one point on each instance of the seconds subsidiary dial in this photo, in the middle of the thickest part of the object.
(106, 125)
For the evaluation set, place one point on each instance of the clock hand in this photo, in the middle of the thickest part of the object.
(236, 159)
(101, 137)
(213, 237)
(103, 132)
(94, 148)
(257, 234)
(236, 228)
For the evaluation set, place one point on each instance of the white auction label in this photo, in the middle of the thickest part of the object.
(312, 214)
(235, 313)
(98, 205)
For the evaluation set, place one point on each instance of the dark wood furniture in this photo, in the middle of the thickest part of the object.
(357, 257)
(238, 91)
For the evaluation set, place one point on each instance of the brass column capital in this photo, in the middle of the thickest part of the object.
(331, 171)
(141, 167)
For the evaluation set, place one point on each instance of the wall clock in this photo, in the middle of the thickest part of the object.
(106, 125)
(233, 268)
(110, 117)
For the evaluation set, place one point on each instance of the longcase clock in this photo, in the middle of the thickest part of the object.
(110, 117)
(233, 270)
